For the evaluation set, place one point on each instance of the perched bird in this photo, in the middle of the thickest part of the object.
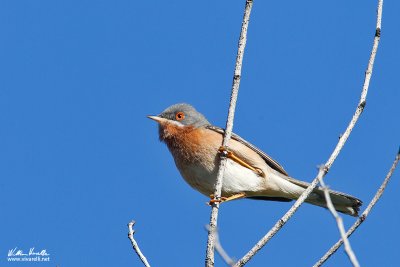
(250, 173)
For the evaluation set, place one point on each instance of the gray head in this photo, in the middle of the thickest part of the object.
(181, 114)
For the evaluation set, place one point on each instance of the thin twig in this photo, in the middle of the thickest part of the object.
(135, 245)
(221, 251)
(339, 222)
(363, 216)
(323, 171)
(228, 132)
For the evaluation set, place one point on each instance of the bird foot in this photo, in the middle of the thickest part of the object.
(225, 199)
(229, 154)
(215, 200)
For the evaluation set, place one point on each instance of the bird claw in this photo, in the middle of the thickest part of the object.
(225, 199)
(216, 200)
(229, 154)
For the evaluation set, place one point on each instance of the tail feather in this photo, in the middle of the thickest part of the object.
(342, 202)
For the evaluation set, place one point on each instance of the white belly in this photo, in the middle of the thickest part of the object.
(237, 179)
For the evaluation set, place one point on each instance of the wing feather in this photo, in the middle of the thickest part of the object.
(270, 161)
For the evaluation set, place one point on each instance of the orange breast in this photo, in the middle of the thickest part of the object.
(189, 144)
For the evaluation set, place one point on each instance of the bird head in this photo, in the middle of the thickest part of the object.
(180, 115)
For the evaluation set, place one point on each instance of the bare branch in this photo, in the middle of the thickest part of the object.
(221, 251)
(363, 216)
(323, 171)
(228, 132)
(339, 222)
(135, 246)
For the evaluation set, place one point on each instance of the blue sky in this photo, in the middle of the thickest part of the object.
(79, 159)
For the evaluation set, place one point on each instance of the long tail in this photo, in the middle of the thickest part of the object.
(342, 202)
(293, 188)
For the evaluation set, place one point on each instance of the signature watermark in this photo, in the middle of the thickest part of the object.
(32, 255)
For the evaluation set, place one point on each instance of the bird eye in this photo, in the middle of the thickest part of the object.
(179, 116)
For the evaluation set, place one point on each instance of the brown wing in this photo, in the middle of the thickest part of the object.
(270, 161)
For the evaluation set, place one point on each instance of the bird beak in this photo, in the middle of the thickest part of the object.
(156, 118)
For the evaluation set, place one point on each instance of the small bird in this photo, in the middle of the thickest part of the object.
(195, 145)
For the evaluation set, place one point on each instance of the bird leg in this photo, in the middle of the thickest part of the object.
(226, 199)
(238, 160)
